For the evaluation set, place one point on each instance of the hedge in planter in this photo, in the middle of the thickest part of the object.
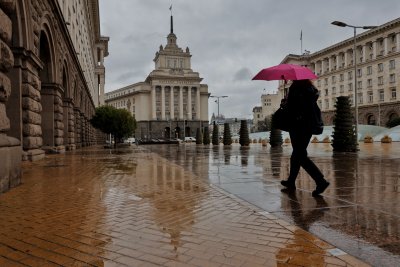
(344, 135)
(227, 135)
(244, 139)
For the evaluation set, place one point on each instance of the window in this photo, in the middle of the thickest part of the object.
(333, 79)
(369, 70)
(350, 75)
(393, 93)
(369, 83)
(333, 90)
(360, 98)
(392, 78)
(380, 67)
(370, 97)
(359, 72)
(342, 77)
(350, 87)
(381, 95)
(359, 85)
(326, 81)
(380, 80)
(326, 92)
(392, 64)
(326, 103)
(342, 88)
(319, 83)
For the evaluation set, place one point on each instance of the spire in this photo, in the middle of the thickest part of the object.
(172, 20)
(171, 36)
(172, 25)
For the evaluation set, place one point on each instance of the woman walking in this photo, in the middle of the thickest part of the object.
(300, 102)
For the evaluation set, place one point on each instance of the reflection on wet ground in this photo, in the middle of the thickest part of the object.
(130, 207)
(359, 212)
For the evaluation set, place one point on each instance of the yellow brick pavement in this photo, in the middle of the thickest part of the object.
(133, 208)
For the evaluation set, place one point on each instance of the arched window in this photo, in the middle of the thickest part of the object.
(371, 120)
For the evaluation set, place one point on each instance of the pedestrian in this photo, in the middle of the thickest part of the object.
(300, 103)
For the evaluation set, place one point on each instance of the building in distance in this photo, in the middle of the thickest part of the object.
(172, 102)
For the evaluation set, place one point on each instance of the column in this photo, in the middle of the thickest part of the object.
(338, 61)
(385, 46)
(172, 104)
(71, 127)
(364, 53)
(346, 58)
(189, 104)
(181, 103)
(153, 103)
(198, 109)
(398, 42)
(163, 102)
(322, 66)
(32, 115)
(77, 116)
(101, 85)
(330, 63)
(58, 121)
(10, 147)
(374, 50)
(101, 57)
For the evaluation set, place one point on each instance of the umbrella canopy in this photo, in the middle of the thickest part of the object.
(285, 72)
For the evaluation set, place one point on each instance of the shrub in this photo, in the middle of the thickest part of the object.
(199, 137)
(368, 139)
(215, 135)
(244, 139)
(344, 135)
(386, 139)
(206, 136)
(227, 135)
(275, 137)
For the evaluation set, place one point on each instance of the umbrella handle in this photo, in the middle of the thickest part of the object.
(284, 87)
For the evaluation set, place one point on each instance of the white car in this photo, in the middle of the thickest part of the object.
(130, 140)
(190, 139)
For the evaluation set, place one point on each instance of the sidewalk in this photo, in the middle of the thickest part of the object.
(135, 208)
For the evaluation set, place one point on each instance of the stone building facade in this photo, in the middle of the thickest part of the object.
(46, 97)
(378, 77)
(269, 104)
(171, 102)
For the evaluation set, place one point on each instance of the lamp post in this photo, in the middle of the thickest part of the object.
(218, 97)
(342, 24)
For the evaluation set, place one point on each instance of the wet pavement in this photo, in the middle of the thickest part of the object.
(191, 205)
(359, 213)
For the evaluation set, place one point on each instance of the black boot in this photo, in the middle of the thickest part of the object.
(321, 186)
(289, 184)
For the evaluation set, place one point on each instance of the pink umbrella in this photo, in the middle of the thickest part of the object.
(285, 72)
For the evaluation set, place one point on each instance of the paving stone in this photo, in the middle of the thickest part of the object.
(135, 208)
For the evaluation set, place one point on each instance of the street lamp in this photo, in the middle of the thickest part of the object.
(218, 97)
(342, 24)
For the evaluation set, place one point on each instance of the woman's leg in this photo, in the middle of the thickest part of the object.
(297, 154)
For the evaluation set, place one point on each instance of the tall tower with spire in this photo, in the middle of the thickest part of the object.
(172, 102)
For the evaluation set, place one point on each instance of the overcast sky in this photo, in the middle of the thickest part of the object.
(230, 40)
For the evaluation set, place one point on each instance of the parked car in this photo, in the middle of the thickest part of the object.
(130, 140)
(190, 139)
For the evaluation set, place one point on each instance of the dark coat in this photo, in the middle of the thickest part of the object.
(301, 101)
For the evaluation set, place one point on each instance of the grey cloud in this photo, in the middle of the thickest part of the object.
(226, 35)
(242, 74)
